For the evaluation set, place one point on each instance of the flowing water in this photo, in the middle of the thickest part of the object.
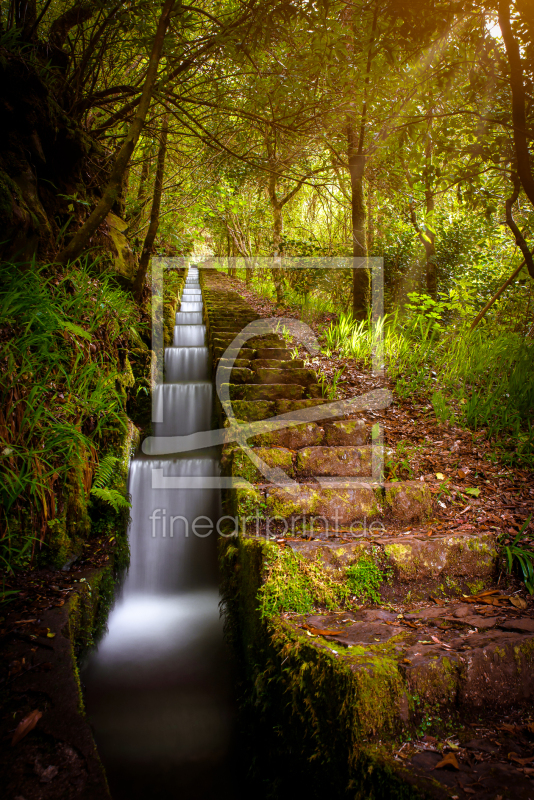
(158, 688)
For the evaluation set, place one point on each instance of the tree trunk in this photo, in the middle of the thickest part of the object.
(278, 229)
(81, 238)
(519, 238)
(144, 261)
(361, 278)
(518, 102)
(429, 243)
(120, 205)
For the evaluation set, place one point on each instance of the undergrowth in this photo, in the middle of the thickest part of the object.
(482, 379)
(66, 376)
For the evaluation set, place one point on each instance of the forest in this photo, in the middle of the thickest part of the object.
(276, 144)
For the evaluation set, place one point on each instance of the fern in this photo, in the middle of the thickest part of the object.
(103, 475)
(104, 472)
(111, 496)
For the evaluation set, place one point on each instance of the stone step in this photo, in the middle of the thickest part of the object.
(334, 462)
(238, 375)
(223, 350)
(252, 411)
(268, 375)
(346, 505)
(446, 565)
(273, 363)
(268, 391)
(306, 462)
(249, 364)
(277, 353)
(468, 668)
(224, 341)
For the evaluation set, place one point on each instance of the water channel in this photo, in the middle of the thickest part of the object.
(158, 688)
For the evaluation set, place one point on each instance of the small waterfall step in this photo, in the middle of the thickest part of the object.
(186, 364)
(189, 335)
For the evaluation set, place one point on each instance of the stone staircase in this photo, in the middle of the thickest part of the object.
(427, 644)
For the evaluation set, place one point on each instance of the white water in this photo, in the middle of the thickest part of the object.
(186, 364)
(189, 335)
(158, 687)
(188, 318)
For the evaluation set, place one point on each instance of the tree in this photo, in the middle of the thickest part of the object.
(113, 188)
(139, 282)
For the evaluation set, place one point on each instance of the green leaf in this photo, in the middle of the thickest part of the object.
(70, 326)
(473, 492)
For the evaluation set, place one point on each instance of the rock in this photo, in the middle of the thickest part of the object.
(367, 633)
(239, 363)
(408, 501)
(341, 505)
(278, 353)
(454, 556)
(281, 391)
(335, 557)
(335, 461)
(272, 363)
(346, 432)
(287, 406)
(462, 611)
(249, 411)
(220, 351)
(294, 437)
(243, 467)
(235, 376)
(302, 377)
(482, 745)
(525, 625)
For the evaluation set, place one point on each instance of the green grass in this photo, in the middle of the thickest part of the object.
(483, 379)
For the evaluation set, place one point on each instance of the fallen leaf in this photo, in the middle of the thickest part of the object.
(448, 760)
(518, 760)
(319, 631)
(474, 492)
(438, 601)
(440, 476)
(25, 726)
(48, 774)
(518, 602)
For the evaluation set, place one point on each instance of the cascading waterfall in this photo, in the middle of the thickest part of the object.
(158, 685)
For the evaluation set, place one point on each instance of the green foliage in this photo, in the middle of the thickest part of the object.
(520, 555)
(329, 384)
(480, 378)
(102, 490)
(65, 380)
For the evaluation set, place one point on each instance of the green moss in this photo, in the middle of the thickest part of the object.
(364, 579)
(294, 583)
(476, 586)
(59, 543)
(243, 467)
(401, 557)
